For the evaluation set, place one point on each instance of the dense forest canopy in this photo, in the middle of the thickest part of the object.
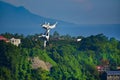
(70, 60)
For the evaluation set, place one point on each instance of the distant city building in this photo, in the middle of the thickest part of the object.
(2, 38)
(113, 75)
(15, 41)
(78, 40)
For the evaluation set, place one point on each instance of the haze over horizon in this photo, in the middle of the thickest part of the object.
(78, 22)
(74, 11)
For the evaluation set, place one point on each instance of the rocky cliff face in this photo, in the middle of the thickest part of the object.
(37, 63)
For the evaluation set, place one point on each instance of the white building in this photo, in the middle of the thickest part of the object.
(15, 41)
(78, 40)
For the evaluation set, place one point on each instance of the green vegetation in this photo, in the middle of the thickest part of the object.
(70, 60)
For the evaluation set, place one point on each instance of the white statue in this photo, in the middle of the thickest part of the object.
(46, 35)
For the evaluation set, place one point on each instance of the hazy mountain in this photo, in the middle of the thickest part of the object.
(20, 20)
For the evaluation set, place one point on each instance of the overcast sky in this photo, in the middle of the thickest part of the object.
(75, 11)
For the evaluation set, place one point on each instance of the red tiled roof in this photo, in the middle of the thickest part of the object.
(3, 38)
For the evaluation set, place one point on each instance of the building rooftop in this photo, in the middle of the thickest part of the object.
(4, 39)
(113, 72)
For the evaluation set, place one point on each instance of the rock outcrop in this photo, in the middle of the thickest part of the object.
(37, 63)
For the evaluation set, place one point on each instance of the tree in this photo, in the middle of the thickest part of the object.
(56, 34)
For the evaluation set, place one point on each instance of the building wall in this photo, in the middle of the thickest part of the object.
(113, 77)
(15, 41)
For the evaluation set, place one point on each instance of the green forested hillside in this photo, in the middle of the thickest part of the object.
(70, 60)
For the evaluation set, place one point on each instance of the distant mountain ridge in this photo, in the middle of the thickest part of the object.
(20, 20)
